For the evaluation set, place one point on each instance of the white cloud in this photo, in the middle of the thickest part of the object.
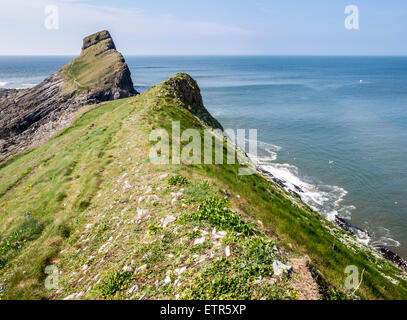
(142, 21)
(139, 31)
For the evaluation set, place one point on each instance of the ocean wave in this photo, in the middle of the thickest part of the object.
(325, 199)
(382, 238)
(2, 84)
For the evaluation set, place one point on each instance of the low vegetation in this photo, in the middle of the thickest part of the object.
(120, 227)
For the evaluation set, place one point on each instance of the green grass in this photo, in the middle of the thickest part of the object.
(94, 68)
(236, 278)
(178, 180)
(82, 215)
(114, 283)
(28, 231)
(215, 211)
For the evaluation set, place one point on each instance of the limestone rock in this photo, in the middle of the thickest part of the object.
(187, 91)
(280, 268)
(31, 116)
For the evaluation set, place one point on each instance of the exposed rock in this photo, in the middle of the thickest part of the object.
(74, 296)
(98, 37)
(280, 268)
(200, 240)
(393, 257)
(186, 89)
(227, 251)
(180, 271)
(141, 268)
(169, 219)
(30, 116)
(127, 269)
(132, 289)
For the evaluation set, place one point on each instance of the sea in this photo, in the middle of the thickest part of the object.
(336, 127)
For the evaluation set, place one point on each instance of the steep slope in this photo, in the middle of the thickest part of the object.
(91, 203)
(32, 115)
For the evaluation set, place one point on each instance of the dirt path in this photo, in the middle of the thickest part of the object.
(303, 281)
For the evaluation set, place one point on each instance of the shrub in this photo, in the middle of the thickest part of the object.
(219, 282)
(216, 212)
(153, 229)
(178, 180)
(115, 282)
(335, 294)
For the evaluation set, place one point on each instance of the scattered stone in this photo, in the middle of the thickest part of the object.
(127, 185)
(179, 271)
(153, 198)
(127, 269)
(163, 176)
(74, 296)
(259, 280)
(141, 199)
(168, 220)
(141, 268)
(227, 251)
(105, 245)
(218, 234)
(279, 268)
(200, 240)
(132, 289)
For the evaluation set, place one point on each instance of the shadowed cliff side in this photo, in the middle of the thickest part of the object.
(30, 116)
(187, 91)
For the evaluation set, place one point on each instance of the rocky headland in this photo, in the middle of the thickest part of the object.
(30, 116)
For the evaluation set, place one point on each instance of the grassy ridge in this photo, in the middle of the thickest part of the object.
(95, 204)
(94, 68)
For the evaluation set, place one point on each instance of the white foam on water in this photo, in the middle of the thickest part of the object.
(2, 84)
(383, 238)
(322, 198)
(325, 199)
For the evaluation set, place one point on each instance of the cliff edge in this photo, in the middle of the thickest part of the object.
(30, 116)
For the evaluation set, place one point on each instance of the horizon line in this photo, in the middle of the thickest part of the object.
(214, 55)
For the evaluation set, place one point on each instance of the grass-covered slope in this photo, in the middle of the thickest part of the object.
(99, 67)
(91, 203)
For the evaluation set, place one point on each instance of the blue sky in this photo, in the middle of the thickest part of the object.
(293, 27)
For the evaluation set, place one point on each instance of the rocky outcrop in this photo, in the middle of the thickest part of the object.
(97, 38)
(187, 91)
(30, 116)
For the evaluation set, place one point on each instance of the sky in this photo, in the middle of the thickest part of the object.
(210, 27)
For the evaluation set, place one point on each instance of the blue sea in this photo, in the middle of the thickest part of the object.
(334, 126)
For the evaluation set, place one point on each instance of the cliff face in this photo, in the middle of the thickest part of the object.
(29, 116)
(187, 91)
(118, 226)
